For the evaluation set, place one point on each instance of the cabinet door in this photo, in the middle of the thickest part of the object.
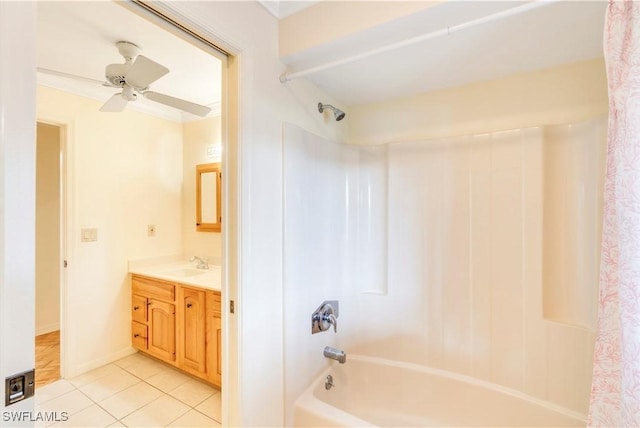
(214, 339)
(139, 335)
(217, 350)
(139, 308)
(162, 330)
(191, 337)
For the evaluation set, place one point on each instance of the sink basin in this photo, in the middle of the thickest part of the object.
(185, 272)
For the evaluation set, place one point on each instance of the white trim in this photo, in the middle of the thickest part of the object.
(273, 7)
(66, 125)
(47, 328)
(282, 8)
(231, 289)
(17, 191)
(99, 362)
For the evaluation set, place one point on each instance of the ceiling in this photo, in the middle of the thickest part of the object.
(79, 38)
(558, 33)
(283, 8)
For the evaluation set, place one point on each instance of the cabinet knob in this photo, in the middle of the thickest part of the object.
(189, 305)
(135, 308)
(136, 335)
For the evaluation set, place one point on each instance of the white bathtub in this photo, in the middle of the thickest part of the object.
(371, 392)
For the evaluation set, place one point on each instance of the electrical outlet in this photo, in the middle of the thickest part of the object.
(151, 230)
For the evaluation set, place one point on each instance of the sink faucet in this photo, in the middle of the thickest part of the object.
(202, 263)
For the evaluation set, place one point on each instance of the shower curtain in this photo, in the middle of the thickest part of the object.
(615, 391)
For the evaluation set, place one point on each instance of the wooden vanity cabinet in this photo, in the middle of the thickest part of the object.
(214, 338)
(153, 313)
(162, 330)
(178, 324)
(140, 335)
(191, 330)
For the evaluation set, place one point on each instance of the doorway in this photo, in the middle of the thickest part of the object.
(109, 151)
(168, 19)
(48, 252)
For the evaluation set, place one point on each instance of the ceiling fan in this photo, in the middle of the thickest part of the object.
(134, 77)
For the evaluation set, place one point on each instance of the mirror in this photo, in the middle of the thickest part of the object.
(208, 197)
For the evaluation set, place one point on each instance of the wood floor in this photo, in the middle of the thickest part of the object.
(47, 358)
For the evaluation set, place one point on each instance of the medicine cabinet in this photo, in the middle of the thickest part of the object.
(208, 197)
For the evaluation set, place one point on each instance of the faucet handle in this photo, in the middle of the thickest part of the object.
(325, 316)
(331, 320)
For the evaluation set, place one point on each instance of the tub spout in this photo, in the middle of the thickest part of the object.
(335, 354)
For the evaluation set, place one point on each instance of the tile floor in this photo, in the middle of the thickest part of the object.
(135, 391)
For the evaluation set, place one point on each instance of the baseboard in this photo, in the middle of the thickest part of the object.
(99, 362)
(44, 329)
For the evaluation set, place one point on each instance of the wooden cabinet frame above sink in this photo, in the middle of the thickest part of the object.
(209, 197)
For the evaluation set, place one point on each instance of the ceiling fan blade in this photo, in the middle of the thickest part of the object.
(115, 104)
(178, 103)
(71, 76)
(143, 72)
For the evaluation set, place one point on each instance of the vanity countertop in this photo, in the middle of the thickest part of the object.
(182, 272)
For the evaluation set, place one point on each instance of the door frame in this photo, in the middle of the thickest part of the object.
(65, 124)
(171, 19)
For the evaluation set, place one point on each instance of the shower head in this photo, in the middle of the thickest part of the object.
(339, 114)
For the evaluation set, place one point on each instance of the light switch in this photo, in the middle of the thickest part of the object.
(89, 234)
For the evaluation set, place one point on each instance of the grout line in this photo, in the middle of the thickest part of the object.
(141, 380)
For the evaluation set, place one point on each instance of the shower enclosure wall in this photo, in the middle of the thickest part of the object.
(475, 254)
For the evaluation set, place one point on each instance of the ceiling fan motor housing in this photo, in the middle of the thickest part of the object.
(115, 73)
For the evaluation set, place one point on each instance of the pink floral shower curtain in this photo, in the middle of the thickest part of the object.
(615, 391)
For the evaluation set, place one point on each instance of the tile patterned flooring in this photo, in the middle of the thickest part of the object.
(135, 391)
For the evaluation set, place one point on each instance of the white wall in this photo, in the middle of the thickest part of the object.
(47, 228)
(331, 21)
(250, 32)
(471, 236)
(467, 242)
(486, 234)
(572, 163)
(335, 242)
(17, 192)
(196, 137)
(566, 94)
(126, 173)
(247, 30)
(320, 211)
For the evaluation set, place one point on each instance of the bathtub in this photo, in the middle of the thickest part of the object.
(373, 392)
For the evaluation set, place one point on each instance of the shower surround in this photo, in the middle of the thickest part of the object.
(475, 254)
